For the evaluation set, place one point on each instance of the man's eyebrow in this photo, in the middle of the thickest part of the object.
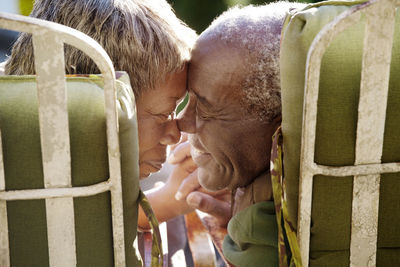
(202, 99)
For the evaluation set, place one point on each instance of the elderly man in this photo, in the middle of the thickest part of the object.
(234, 110)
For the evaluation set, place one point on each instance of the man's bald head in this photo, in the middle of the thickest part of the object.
(234, 88)
(256, 32)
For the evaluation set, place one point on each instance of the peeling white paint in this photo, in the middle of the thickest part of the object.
(4, 243)
(372, 110)
(48, 40)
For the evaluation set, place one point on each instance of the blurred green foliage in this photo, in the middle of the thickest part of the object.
(182, 104)
(25, 6)
(198, 14)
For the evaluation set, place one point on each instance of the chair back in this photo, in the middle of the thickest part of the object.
(340, 101)
(65, 199)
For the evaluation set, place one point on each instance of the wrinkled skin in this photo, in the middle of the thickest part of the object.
(157, 128)
(215, 203)
(230, 146)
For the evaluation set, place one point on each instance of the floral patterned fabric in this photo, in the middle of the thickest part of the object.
(156, 249)
(289, 253)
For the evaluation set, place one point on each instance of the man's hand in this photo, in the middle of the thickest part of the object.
(216, 203)
(218, 206)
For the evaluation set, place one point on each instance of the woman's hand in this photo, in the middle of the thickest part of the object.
(182, 192)
(216, 203)
(162, 198)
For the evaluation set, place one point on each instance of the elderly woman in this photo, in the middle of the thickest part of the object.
(145, 39)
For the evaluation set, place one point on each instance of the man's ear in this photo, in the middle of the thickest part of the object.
(274, 125)
(276, 122)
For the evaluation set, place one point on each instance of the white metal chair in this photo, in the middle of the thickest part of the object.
(59, 194)
(377, 51)
(379, 17)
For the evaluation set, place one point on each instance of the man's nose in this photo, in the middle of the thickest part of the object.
(172, 134)
(187, 119)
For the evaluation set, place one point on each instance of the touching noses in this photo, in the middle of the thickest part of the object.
(187, 119)
(186, 122)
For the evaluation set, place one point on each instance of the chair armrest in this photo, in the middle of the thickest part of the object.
(145, 245)
(201, 229)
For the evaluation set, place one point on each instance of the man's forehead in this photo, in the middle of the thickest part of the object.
(209, 47)
(216, 60)
(216, 71)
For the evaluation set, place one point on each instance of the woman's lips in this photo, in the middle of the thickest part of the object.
(156, 164)
(150, 166)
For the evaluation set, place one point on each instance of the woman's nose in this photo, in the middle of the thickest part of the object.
(172, 134)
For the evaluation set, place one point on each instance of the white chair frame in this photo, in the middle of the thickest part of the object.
(378, 38)
(48, 43)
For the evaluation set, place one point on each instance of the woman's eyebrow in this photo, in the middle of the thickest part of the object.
(174, 98)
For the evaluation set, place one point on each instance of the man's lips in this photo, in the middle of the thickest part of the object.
(200, 157)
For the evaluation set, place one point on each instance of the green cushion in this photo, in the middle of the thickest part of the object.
(336, 132)
(23, 169)
(252, 238)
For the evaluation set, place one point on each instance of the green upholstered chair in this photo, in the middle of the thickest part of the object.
(342, 144)
(68, 159)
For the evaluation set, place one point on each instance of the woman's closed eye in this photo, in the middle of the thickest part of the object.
(163, 117)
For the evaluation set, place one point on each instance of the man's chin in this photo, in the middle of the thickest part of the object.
(210, 181)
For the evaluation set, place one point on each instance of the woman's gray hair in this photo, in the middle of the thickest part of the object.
(257, 30)
(142, 37)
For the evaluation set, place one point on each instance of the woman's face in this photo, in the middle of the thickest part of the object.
(156, 123)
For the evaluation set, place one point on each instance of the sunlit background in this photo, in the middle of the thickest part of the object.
(196, 13)
(23, 7)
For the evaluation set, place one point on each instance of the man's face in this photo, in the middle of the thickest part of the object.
(230, 146)
(157, 128)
